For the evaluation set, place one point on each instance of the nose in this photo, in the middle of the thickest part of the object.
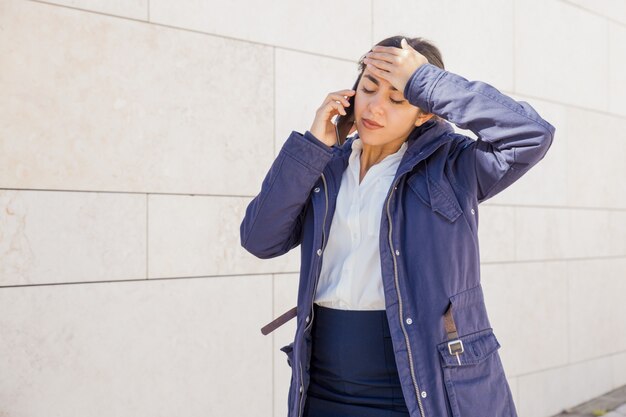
(376, 104)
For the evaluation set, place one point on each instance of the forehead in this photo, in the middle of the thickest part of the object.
(371, 77)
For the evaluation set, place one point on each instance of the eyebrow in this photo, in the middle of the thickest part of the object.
(375, 81)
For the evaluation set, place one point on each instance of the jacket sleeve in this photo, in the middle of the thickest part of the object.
(272, 224)
(512, 137)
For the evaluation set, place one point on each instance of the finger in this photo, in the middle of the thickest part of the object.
(338, 98)
(383, 56)
(377, 66)
(387, 49)
(338, 107)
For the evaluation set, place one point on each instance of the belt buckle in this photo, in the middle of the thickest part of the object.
(455, 347)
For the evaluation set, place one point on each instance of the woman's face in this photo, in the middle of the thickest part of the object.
(377, 100)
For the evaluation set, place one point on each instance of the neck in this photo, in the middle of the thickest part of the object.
(373, 154)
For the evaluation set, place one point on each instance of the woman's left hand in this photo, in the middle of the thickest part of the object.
(396, 65)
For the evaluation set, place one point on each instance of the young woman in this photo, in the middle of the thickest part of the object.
(391, 319)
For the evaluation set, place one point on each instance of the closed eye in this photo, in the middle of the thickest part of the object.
(366, 91)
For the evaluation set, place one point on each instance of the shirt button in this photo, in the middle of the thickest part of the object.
(397, 252)
(319, 252)
(307, 319)
(423, 394)
(409, 320)
(316, 190)
(302, 389)
(472, 210)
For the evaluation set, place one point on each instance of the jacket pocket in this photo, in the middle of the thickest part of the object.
(475, 381)
(439, 197)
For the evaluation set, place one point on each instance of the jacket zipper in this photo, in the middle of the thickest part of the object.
(406, 336)
(300, 408)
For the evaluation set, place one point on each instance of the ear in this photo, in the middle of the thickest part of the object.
(423, 118)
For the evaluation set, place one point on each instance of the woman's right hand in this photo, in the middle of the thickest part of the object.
(323, 128)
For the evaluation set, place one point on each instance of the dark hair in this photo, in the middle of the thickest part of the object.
(421, 45)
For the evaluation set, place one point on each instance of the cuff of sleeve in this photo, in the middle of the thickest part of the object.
(308, 135)
(308, 150)
(419, 88)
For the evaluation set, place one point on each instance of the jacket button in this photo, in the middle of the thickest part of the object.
(319, 252)
(409, 320)
(316, 190)
(397, 252)
(423, 394)
(472, 210)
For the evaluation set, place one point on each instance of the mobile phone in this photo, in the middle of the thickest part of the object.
(343, 124)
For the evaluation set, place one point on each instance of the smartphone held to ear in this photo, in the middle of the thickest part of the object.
(343, 124)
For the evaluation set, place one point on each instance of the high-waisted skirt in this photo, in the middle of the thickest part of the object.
(353, 369)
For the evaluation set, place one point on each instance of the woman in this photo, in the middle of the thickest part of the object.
(391, 319)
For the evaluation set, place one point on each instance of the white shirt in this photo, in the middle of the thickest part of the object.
(351, 277)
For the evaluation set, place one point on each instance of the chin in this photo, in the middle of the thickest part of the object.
(371, 140)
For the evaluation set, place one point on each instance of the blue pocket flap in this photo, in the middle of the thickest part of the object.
(476, 348)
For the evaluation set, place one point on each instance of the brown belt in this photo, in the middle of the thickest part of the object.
(279, 321)
(455, 345)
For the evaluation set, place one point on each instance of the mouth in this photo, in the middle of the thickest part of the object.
(371, 124)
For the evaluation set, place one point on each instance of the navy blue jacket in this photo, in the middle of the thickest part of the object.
(428, 238)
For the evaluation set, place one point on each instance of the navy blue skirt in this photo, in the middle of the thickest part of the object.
(353, 368)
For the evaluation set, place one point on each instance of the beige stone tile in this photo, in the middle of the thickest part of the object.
(611, 9)
(591, 234)
(285, 298)
(198, 235)
(143, 348)
(170, 111)
(484, 54)
(549, 37)
(619, 369)
(595, 157)
(55, 237)
(134, 9)
(527, 305)
(548, 392)
(557, 233)
(338, 29)
(496, 233)
(596, 308)
(617, 65)
(544, 393)
(617, 232)
(300, 93)
(542, 233)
